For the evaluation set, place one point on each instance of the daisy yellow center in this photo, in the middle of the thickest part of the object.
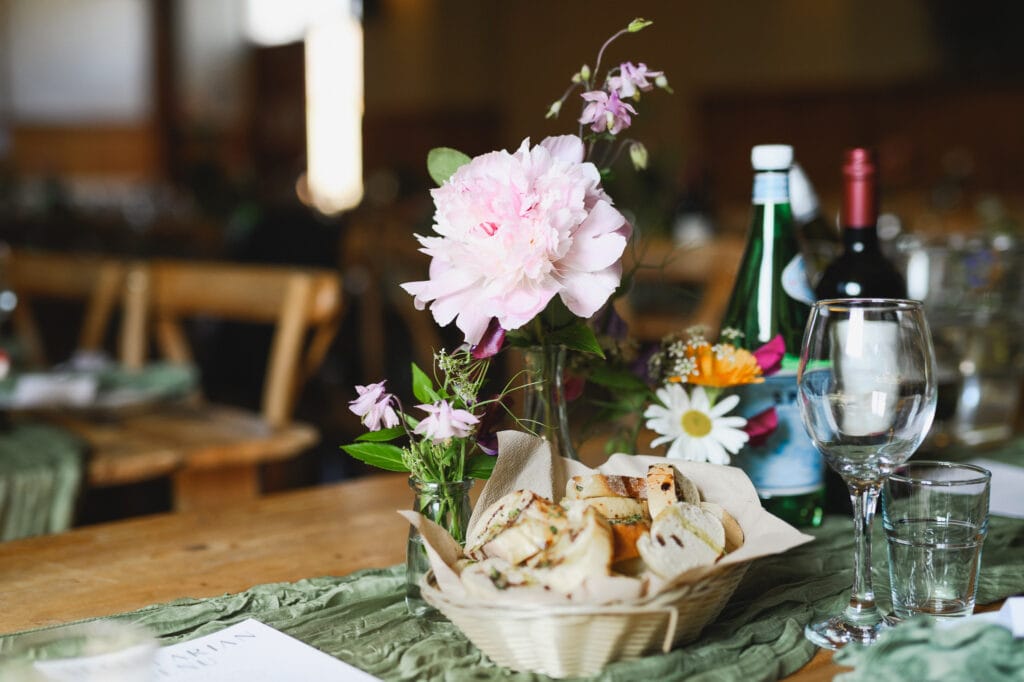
(696, 423)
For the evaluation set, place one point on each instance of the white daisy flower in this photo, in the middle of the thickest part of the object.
(697, 430)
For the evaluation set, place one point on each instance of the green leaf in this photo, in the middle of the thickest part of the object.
(481, 466)
(380, 455)
(577, 337)
(381, 436)
(618, 378)
(422, 386)
(442, 162)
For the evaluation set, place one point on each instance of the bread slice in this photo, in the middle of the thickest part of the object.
(601, 485)
(683, 536)
(583, 550)
(733, 532)
(518, 526)
(666, 486)
(618, 508)
(625, 533)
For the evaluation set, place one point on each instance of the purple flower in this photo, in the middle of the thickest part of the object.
(374, 407)
(632, 77)
(445, 422)
(606, 112)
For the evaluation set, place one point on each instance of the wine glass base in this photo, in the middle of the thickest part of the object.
(836, 632)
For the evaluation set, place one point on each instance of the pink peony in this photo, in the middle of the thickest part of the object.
(515, 230)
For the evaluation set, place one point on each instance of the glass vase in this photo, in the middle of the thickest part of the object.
(447, 505)
(545, 411)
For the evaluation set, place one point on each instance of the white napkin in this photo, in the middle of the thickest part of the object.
(53, 390)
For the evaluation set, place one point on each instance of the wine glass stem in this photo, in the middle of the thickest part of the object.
(862, 610)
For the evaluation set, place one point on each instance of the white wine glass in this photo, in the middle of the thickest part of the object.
(867, 393)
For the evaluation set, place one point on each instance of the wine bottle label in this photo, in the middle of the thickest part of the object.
(771, 187)
(785, 462)
(795, 282)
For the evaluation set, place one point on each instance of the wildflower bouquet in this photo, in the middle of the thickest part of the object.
(450, 443)
(695, 423)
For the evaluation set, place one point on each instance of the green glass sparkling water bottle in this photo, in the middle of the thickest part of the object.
(771, 297)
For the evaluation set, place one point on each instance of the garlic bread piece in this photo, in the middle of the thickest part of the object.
(517, 527)
(666, 486)
(605, 485)
(582, 550)
(683, 536)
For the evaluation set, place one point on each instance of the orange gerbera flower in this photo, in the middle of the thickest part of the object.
(719, 366)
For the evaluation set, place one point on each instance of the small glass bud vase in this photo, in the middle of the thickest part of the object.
(447, 505)
(545, 411)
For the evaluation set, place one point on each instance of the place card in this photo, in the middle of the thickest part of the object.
(253, 652)
(1007, 484)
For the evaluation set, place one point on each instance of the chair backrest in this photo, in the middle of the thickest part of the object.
(303, 304)
(100, 283)
(707, 272)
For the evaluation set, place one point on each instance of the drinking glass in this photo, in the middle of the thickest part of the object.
(867, 392)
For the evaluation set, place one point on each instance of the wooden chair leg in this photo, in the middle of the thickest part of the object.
(199, 489)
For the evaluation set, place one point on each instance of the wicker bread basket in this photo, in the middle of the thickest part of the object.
(573, 641)
(567, 639)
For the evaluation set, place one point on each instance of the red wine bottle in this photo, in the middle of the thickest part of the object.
(860, 271)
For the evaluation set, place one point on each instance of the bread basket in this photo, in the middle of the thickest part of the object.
(576, 639)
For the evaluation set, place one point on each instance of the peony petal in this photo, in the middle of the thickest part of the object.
(586, 292)
(599, 241)
(567, 148)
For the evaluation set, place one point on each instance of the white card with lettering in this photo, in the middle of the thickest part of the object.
(253, 652)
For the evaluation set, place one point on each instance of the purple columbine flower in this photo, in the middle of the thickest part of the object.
(445, 422)
(632, 77)
(374, 406)
(606, 112)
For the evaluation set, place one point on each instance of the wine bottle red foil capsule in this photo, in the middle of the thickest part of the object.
(860, 208)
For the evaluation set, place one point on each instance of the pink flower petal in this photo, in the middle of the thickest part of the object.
(761, 425)
(586, 292)
(769, 356)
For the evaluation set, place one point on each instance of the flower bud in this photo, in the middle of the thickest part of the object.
(554, 109)
(638, 155)
(585, 72)
(638, 24)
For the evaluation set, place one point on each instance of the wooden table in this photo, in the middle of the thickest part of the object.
(111, 568)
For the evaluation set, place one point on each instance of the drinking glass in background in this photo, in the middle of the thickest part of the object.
(95, 651)
(935, 516)
(867, 394)
(973, 291)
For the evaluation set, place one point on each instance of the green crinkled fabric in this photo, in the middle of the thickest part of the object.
(362, 618)
(40, 477)
(921, 651)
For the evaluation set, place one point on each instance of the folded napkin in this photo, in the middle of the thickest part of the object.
(924, 650)
(45, 389)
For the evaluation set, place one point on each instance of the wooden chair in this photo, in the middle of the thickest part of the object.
(100, 283)
(213, 452)
(705, 273)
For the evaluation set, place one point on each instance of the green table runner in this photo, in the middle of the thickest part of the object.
(40, 475)
(362, 618)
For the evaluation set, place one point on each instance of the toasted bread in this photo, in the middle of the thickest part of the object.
(582, 550)
(683, 536)
(625, 533)
(602, 485)
(517, 527)
(618, 508)
(666, 486)
(733, 532)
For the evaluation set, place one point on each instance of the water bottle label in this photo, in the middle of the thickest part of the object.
(771, 187)
(795, 282)
(786, 462)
